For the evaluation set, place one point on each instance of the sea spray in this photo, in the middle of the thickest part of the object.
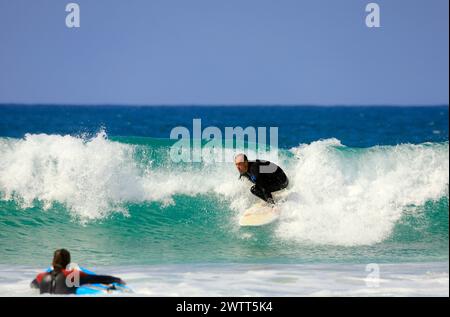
(337, 195)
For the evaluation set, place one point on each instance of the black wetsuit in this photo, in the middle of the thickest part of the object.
(55, 282)
(267, 177)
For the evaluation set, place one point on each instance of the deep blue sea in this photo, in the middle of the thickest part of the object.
(367, 183)
(353, 126)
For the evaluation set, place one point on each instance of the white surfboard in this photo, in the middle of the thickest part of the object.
(259, 214)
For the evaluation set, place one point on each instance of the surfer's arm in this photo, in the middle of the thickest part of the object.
(255, 176)
(36, 282)
(245, 175)
(102, 279)
(261, 186)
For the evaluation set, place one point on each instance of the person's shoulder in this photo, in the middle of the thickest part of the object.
(40, 276)
(253, 165)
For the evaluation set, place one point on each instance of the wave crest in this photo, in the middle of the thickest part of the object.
(338, 195)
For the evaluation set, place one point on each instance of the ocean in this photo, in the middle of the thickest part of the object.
(368, 189)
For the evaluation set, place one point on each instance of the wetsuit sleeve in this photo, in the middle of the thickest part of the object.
(254, 171)
(243, 175)
(37, 281)
(102, 279)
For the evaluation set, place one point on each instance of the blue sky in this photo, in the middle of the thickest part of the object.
(224, 52)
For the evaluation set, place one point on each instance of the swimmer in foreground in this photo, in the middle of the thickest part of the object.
(267, 176)
(60, 280)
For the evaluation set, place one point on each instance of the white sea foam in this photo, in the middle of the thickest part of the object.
(86, 176)
(93, 177)
(355, 198)
(413, 279)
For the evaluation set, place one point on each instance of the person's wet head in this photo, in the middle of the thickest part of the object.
(241, 163)
(61, 258)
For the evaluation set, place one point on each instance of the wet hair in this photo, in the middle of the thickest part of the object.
(61, 258)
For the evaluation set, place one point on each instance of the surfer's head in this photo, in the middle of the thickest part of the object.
(61, 258)
(241, 163)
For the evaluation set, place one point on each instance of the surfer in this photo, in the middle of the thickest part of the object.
(267, 176)
(59, 280)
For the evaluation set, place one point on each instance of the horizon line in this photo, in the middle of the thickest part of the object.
(220, 105)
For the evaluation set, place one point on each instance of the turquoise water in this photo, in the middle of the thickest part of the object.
(116, 200)
(197, 235)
